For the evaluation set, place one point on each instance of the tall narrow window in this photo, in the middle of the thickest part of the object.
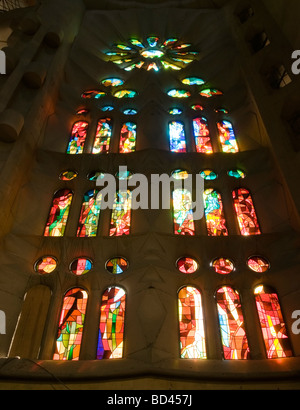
(127, 138)
(245, 212)
(191, 324)
(78, 137)
(177, 136)
(59, 213)
(103, 136)
(111, 329)
(68, 342)
(272, 323)
(214, 214)
(183, 212)
(121, 214)
(227, 137)
(202, 135)
(232, 326)
(89, 215)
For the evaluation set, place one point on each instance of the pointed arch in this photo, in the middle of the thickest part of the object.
(59, 212)
(273, 327)
(103, 136)
(177, 136)
(71, 324)
(78, 137)
(214, 213)
(245, 212)
(202, 135)
(89, 214)
(121, 214)
(191, 324)
(112, 320)
(232, 325)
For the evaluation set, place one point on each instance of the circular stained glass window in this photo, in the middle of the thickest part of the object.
(107, 108)
(176, 93)
(187, 265)
(236, 173)
(208, 175)
(68, 175)
(175, 111)
(80, 266)
(116, 265)
(92, 176)
(112, 82)
(130, 111)
(223, 266)
(258, 264)
(45, 265)
(180, 174)
(197, 107)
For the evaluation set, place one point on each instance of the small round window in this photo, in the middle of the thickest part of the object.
(187, 265)
(116, 265)
(258, 264)
(80, 266)
(223, 266)
(45, 265)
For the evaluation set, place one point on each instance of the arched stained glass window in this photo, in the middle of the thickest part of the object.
(68, 342)
(183, 212)
(245, 212)
(127, 138)
(121, 214)
(202, 135)
(191, 324)
(232, 326)
(214, 214)
(78, 137)
(103, 136)
(112, 319)
(272, 323)
(227, 137)
(89, 214)
(59, 213)
(177, 136)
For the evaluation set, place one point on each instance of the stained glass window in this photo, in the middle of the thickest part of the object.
(227, 137)
(202, 135)
(93, 94)
(214, 214)
(103, 136)
(121, 214)
(210, 92)
(223, 266)
(258, 264)
(175, 111)
(68, 175)
(245, 211)
(78, 137)
(116, 265)
(130, 111)
(273, 327)
(176, 93)
(46, 264)
(208, 175)
(80, 266)
(191, 324)
(187, 265)
(197, 107)
(112, 82)
(177, 136)
(59, 213)
(183, 212)
(237, 173)
(112, 319)
(232, 326)
(125, 94)
(192, 81)
(68, 342)
(89, 214)
(127, 138)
